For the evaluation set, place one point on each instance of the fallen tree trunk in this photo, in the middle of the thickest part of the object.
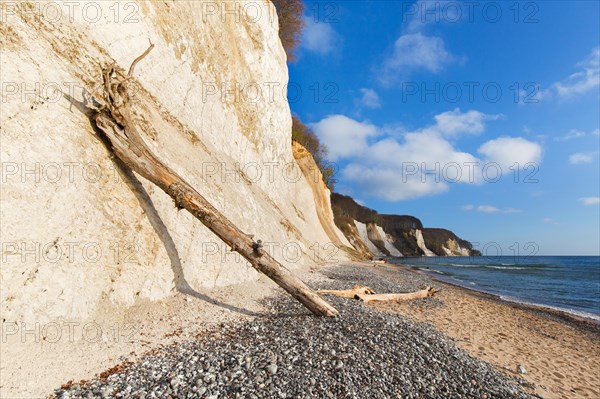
(356, 290)
(366, 294)
(424, 293)
(115, 119)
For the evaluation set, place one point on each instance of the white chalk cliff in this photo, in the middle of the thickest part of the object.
(77, 230)
(364, 236)
(421, 243)
(388, 242)
(453, 248)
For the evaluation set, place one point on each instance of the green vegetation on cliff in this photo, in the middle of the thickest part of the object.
(304, 136)
(436, 239)
(401, 228)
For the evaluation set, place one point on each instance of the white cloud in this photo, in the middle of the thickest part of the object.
(411, 164)
(389, 183)
(453, 123)
(370, 98)
(573, 134)
(581, 158)
(506, 151)
(418, 147)
(344, 137)
(489, 209)
(578, 83)
(415, 51)
(319, 37)
(590, 200)
(596, 132)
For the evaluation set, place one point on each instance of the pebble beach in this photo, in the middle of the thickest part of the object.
(369, 351)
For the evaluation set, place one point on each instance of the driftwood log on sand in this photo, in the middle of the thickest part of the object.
(366, 294)
(424, 293)
(116, 120)
(356, 290)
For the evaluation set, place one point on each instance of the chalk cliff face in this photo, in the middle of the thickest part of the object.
(401, 229)
(363, 233)
(321, 195)
(388, 242)
(421, 243)
(445, 243)
(78, 229)
(394, 235)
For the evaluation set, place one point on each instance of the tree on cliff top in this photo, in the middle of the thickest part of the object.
(304, 135)
(291, 23)
(289, 13)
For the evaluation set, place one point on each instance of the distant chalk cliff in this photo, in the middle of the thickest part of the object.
(373, 234)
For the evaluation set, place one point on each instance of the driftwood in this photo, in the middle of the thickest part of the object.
(366, 294)
(424, 293)
(115, 119)
(356, 290)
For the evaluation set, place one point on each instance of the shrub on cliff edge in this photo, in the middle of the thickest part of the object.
(304, 135)
(289, 13)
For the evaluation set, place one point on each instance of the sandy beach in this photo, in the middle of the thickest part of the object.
(32, 365)
(560, 352)
(287, 352)
(413, 341)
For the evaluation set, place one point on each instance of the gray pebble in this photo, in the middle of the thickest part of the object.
(363, 353)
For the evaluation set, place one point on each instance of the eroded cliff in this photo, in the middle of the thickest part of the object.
(80, 231)
(394, 235)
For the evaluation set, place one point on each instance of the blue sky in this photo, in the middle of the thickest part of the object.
(479, 117)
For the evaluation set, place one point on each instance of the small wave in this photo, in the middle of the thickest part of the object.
(428, 270)
(574, 312)
(499, 266)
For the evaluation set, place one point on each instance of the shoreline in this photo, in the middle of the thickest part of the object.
(566, 313)
(558, 350)
(579, 321)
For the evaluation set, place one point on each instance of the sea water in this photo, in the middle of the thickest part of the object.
(567, 283)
